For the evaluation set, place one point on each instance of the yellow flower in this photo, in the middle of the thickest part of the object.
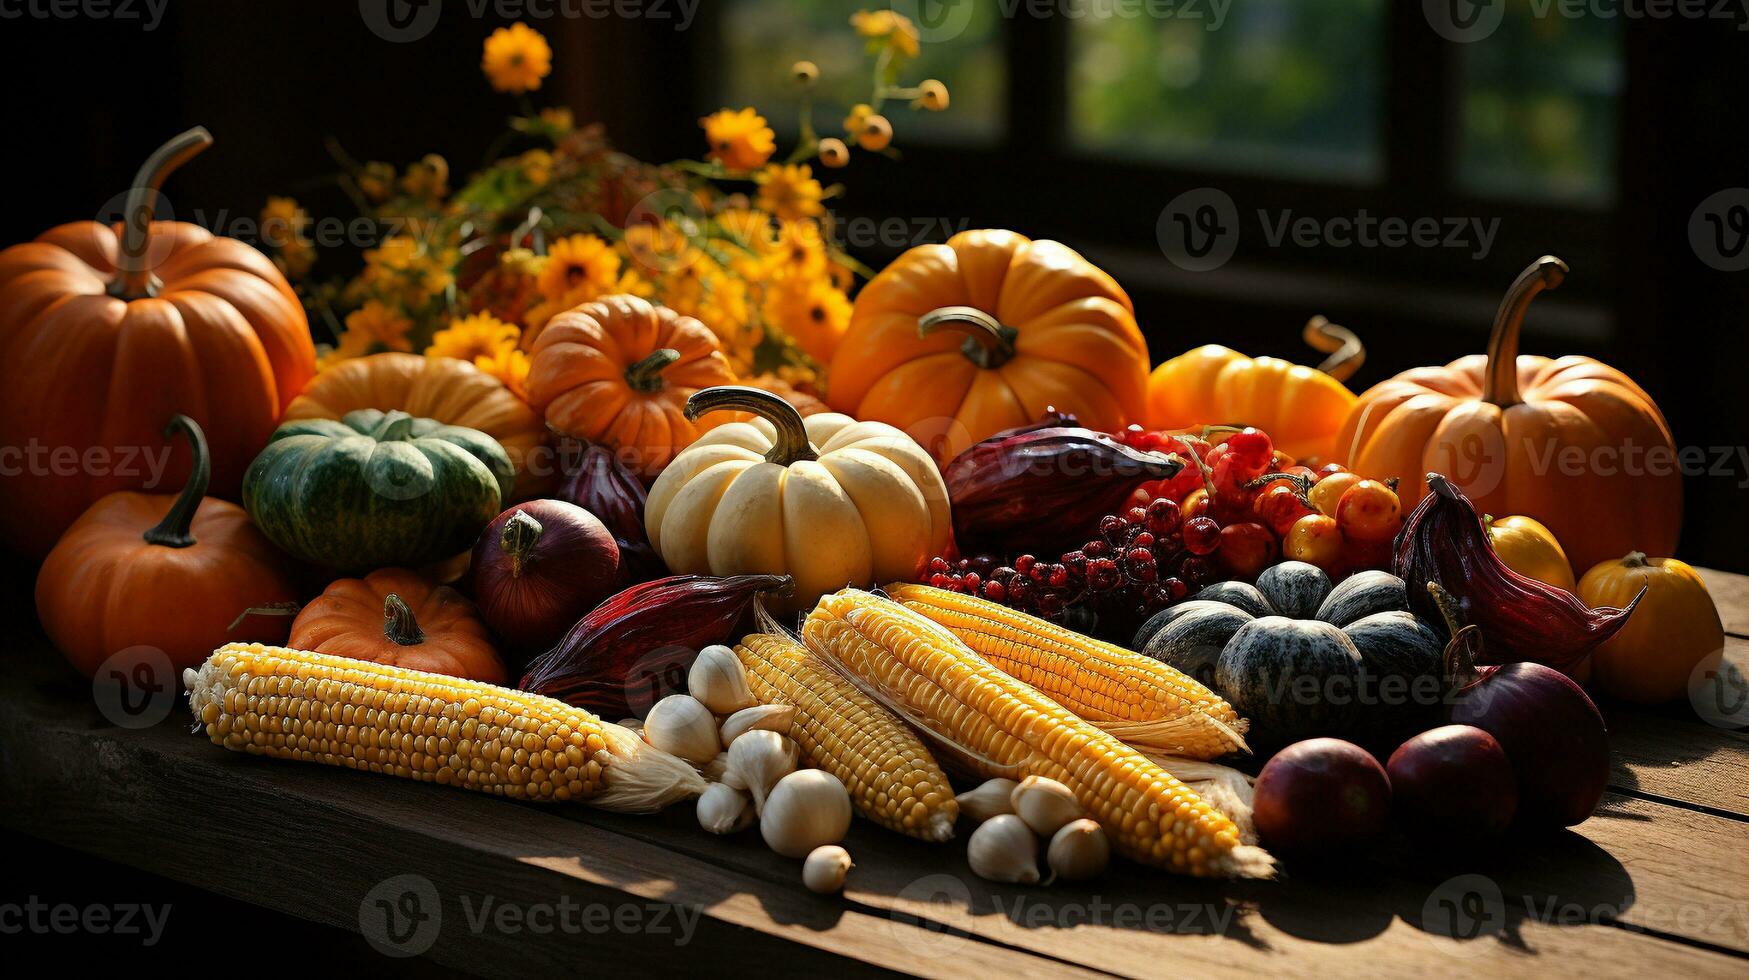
(509, 365)
(739, 139)
(283, 226)
(471, 337)
(558, 119)
(789, 191)
(746, 227)
(800, 251)
(377, 181)
(379, 325)
(516, 59)
(659, 247)
(894, 28)
(537, 166)
(858, 117)
(578, 268)
(352, 343)
(813, 314)
(428, 179)
(409, 269)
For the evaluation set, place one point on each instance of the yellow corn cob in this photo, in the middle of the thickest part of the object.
(892, 778)
(1133, 696)
(313, 707)
(1000, 726)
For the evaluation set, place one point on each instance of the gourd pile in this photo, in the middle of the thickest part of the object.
(1008, 560)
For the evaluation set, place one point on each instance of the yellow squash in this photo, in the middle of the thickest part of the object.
(1675, 627)
(1530, 549)
(828, 500)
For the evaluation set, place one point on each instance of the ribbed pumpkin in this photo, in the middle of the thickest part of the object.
(393, 616)
(1675, 627)
(106, 332)
(445, 389)
(1301, 408)
(827, 499)
(1529, 435)
(618, 371)
(376, 489)
(954, 343)
(177, 572)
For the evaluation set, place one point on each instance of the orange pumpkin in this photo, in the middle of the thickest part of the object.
(1652, 659)
(105, 332)
(1301, 408)
(181, 573)
(1572, 442)
(396, 617)
(618, 371)
(956, 342)
(451, 391)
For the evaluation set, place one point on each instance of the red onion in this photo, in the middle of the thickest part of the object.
(1322, 797)
(598, 482)
(1551, 732)
(538, 568)
(1453, 784)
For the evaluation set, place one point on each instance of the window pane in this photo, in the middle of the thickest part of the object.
(1539, 105)
(762, 38)
(1281, 85)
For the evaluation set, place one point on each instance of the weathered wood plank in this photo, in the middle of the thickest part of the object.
(1730, 593)
(1671, 753)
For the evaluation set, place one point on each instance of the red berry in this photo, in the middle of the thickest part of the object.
(1163, 516)
(1140, 556)
(995, 591)
(1247, 549)
(1075, 562)
(1253, 446)
(1050, 604)
(1059, 576)
(1024, 564)
(1142, 540)
(1091, 549)
(1280, 506)
(1136, 516)
(1202, 535)
(1111, 527)
(938, 564)
(1175, 589)
(1196, 570)
(973, 582)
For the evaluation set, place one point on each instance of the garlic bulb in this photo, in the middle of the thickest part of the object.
(1078, 851)
(757, 761)
(683, 726)
(806, 809)
(719, 681)
(722, 810)
(1003, 848)
(991, 798)
(767, 717)
(1045, 804)
(825, 868)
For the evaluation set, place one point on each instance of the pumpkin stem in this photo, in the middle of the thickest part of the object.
(1501, 385)
(988, 343)
(1635, 559)
(396, 426)
(518, 539)
(140, 207)
(173, 531)
(791, 444)
(646, 375)
(399, 624)
(1347, 353)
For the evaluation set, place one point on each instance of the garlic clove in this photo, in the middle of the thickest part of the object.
(683, 726)
(808, 808)
(1004, 848)
(717, 770)
(1078, 851)
(722, 810)
(1045, 804)
(825, 869)
(991, 798)
(718, 680)
(765, 717)
(758, 760)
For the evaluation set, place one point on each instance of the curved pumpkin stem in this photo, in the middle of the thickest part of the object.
(1347, 353)
(518, 539)
(142, 203)
(646, 375)
(988, 343)
(174, 530)
(791, 444)
(1635, 559)
(395, 426)
(398, 622)
(1501, 385)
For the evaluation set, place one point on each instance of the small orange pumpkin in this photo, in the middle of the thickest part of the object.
(111, 330)
(1673, 629)
(954, 343)
(618, 371)
(1529, 435)
(182, 573)
(396, 617)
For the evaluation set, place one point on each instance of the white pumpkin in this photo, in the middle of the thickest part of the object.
(829, 500)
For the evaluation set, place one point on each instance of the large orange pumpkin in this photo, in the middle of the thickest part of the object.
(955, 342)
(394, 616)
(106, 332)
(1301, 408)
(451, 391)
(1571, 442)
(618, 371)
(181, 573)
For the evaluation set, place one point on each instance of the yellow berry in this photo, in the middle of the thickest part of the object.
(833, 152)
(805, 72)
(875, 134)
(931, 95)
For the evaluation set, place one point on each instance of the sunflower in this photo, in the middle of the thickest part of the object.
(508, 365)
(378, 324)
(472, 337)
(739, 139)
(516, 59)
(800, 251)
(578, 268)
(790, 191)
(812, 312)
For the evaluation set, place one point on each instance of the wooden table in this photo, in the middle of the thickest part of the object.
(1654, 882)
